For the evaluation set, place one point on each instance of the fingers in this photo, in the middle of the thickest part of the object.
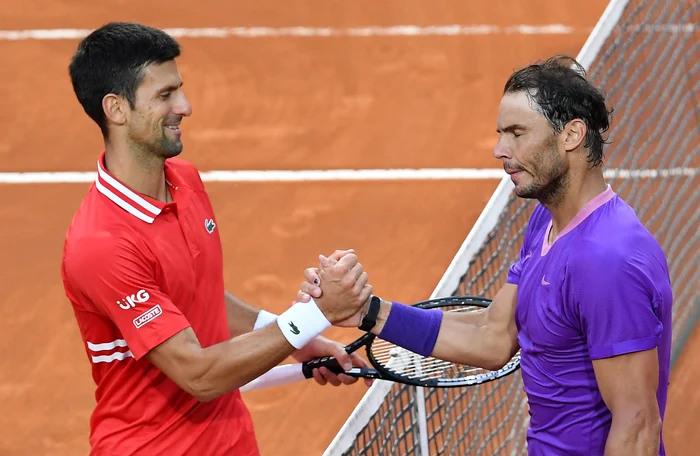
(309, 289)
(345, 264)
(311, 275)
(338, 254)
(365, 293)
(302, 297)
(320, 379)
(360, 283)
(324, 376)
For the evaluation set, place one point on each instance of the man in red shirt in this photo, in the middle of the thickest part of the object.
(143, 269)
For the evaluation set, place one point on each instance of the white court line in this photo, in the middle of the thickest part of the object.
(263, 32)
(308, 32)
(337, 175)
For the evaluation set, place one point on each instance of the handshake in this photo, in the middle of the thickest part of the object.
(339, 288)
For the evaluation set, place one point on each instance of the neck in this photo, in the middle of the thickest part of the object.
(143, 173)
(579, 191)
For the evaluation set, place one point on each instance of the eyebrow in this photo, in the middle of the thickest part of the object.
(170, 87)
(510, 128)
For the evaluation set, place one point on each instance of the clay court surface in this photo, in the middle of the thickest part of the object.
(270, 103)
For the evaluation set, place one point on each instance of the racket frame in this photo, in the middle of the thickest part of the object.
(379, 371)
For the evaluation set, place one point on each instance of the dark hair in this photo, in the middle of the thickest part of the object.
(112, 59)
(559, 89)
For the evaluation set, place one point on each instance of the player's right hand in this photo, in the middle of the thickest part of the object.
(312, 286)
(344, 288)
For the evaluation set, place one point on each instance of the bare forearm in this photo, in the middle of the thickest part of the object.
(468, 339)
(226, 366)
(637, 435)
(465, 338)
(241, 316)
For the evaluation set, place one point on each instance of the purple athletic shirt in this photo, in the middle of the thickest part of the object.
(601, 289)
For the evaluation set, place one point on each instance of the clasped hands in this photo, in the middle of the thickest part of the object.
(340, 289)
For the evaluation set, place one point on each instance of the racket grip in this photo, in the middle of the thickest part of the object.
(328, 362)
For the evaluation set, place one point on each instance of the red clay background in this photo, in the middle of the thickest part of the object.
(269, 103)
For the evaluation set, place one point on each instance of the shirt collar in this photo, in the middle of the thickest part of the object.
(143, 208)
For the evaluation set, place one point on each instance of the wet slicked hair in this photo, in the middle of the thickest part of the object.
(560, 91)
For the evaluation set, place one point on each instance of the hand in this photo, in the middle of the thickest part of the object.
(344, 289)
(320, 347)
(312, 285)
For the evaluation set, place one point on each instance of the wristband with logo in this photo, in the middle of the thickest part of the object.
(302, 322)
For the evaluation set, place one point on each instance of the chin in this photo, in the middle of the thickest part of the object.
(525, 192)
(171, 150)
(172, 153)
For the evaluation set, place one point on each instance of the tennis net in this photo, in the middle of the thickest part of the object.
(645, 55)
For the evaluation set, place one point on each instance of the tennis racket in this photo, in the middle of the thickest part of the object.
(396, 364)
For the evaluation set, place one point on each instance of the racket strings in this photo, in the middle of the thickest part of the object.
(411, 365)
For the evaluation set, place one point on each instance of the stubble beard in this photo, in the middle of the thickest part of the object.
(551, 181)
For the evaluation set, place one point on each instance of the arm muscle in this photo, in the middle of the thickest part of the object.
(628, 385)
(207, 373)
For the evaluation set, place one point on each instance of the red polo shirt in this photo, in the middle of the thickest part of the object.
(137, 271)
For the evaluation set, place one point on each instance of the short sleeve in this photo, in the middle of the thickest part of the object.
(117, 278)
(516, 269)
(615, 303)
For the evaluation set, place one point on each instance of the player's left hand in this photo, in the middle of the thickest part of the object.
(320, 347)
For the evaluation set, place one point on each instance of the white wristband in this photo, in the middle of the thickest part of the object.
(264, 319)
(302, 322)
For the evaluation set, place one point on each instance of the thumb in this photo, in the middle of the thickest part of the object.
(339, 353)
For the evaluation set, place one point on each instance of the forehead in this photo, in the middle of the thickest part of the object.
(157, 76)
(517, 109)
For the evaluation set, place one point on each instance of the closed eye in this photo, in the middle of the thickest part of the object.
(516, 130)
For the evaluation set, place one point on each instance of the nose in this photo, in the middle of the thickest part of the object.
(501, 150)
(183, 106)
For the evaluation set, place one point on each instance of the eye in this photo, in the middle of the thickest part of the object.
(165, 95)
(517, 135)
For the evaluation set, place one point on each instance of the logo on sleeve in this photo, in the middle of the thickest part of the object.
(148, 316)
(209, 225)
(130, 301)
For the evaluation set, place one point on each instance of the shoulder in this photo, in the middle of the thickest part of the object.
(616, 236)
(605, 265)
(94, 253)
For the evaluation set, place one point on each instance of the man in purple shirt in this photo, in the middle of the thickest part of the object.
(588, 303)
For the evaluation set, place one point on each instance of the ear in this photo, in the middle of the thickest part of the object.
(115, 108)
(574, 134)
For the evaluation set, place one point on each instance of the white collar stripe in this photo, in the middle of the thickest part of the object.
(121, 203)
(102, 174)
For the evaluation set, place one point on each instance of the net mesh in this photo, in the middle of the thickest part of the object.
(648, 68)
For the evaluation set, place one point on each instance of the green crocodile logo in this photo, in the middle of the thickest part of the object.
(295, 330)
(209, 225)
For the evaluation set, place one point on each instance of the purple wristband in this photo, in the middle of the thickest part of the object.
(412, 328)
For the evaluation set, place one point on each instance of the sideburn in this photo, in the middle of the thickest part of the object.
(554, 175)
